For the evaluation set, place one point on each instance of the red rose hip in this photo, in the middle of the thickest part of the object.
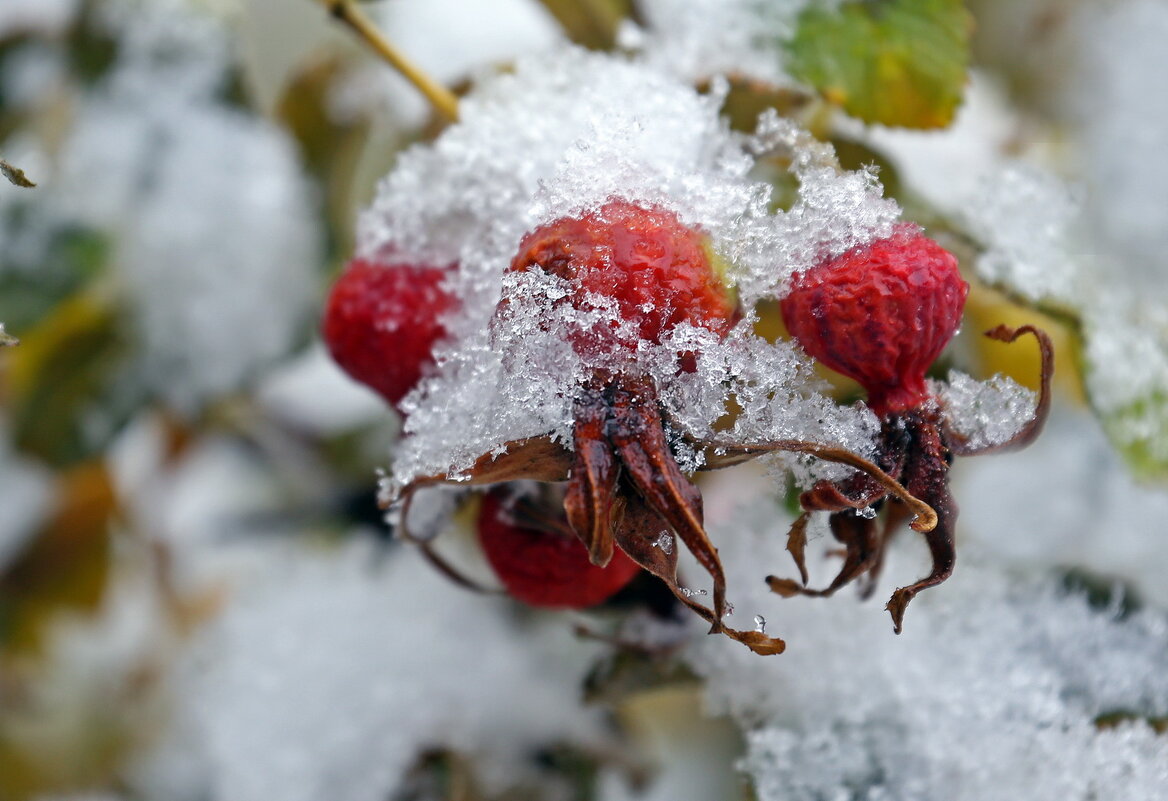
(381, 323)
(547, 565)
(880, 314)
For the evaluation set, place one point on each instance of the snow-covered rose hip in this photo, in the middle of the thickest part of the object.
(381, 323)
(625, 488)
(881, 314)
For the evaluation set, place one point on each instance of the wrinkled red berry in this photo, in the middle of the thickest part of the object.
(880, 314)
(656, 269)
(545, 566)
(382, 321)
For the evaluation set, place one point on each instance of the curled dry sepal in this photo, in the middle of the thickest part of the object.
(881, 314)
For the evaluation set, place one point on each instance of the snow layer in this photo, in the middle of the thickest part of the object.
(332, 675)
(996, 682)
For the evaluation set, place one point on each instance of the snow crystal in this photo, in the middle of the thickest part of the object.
(561, 135)
(1026, 219)
(992, 670)
(986, 413)
(332, 677)
(215, 232)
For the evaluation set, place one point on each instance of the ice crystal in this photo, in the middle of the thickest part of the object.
(986, 413)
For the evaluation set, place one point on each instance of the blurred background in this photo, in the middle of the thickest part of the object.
(199, 598)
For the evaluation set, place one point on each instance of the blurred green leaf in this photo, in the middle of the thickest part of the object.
(67, 380)
(1140, 432)
(896, 62)
(34, 278)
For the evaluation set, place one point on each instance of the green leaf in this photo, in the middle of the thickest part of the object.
(68, 391)
(1140, 433)
(896, 62)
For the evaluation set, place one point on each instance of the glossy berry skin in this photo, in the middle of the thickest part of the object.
(656, 269)
(880, 314)
(543, 566)
(381, 323)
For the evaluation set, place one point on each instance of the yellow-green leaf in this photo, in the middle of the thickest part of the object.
(896, 62)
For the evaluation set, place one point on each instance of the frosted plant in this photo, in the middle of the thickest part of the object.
(563, 356)
(609, 246)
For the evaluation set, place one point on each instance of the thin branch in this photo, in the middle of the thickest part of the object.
(441, 98)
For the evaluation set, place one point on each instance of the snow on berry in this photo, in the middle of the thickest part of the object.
(381, 323)
(559, 137)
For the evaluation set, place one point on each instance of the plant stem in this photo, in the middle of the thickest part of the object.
(439, 96)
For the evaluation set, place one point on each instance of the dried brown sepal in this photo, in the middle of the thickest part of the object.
(637, 435)
(797, 546)
(535, 458)
(639, 534)
(589, 499)
(1029, 432)
(927, 475)
(924, 516)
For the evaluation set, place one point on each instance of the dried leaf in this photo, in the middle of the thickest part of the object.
(15, 175)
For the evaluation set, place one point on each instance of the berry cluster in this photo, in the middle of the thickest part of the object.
(880, 313)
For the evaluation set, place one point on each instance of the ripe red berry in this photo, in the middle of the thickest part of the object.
(656, 269)
(880, 314)
(381, 323)
(546, 566)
